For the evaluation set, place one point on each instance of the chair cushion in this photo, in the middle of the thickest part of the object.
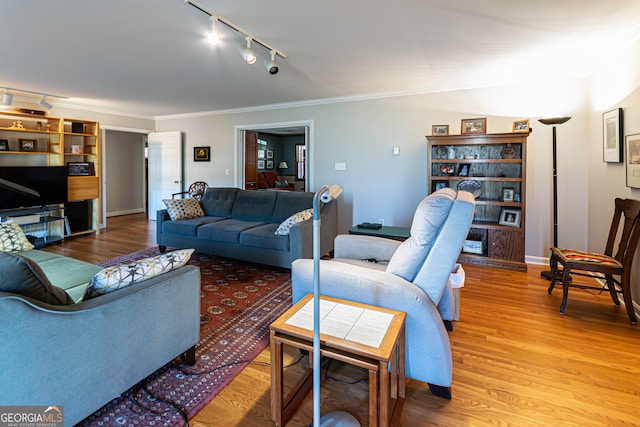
(12, 238)
(589, 257)
(23, 276)
(183, 208)
(427, 222)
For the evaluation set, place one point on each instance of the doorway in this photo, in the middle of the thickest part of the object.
(257, 152)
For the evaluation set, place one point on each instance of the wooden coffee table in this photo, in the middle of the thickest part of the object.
(373, 339)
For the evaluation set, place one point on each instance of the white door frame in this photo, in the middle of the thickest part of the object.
(239, 153)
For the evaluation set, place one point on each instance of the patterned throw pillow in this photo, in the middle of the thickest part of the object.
(183, 208)
(12, 238)
(120, 276)
(284, 228)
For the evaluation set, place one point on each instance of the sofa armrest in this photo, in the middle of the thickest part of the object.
(114, 340)
(301, 234)
(162, 215)
(356, 246)
(428, 353)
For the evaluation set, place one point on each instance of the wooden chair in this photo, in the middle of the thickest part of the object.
(196, 190)
(607, 264)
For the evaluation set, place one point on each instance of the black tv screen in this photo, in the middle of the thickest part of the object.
(32, 186)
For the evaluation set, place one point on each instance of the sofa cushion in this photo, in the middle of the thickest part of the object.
(23, 276)
(226, 231)
(120, 276)
(12, 238)
(290, 202)
(189, 226)
(183, 208)
(254, 205)
(218, 201)
(285, 226)
(263, 237)
(427, 222)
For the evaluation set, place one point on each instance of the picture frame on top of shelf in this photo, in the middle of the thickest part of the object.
(478, 125)
(28, 144)
(508, 195)
(472, 247)
(80, 168)
(202, 154)
(446, 169)
(464, 169)
(612, 125)
(76, 149)
(632, 143)
(440, 130)
(510, 217)
(4, 145)
(521, 126)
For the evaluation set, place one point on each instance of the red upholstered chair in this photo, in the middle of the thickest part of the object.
(626, 225)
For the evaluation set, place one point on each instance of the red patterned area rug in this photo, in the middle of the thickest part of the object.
(239, 302)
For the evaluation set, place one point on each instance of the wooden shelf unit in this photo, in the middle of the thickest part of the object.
(55, 141)
(496, 162)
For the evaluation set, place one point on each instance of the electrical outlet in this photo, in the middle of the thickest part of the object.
(381, 221)
(227, 171)
(341, 166)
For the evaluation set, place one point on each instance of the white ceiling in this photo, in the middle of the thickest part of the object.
(150, 58)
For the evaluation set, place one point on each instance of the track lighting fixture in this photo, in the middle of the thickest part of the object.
(7, 98)
(213, 38)
(44, 104)
(247, 53)
(271, 66)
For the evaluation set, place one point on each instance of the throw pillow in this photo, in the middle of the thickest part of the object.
(183, 208)
(285, 227)
(23, 276)
(120, 276)
(12, 238)
(427, 221)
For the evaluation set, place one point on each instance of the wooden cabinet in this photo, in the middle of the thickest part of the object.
(38, 140)
(493, 168)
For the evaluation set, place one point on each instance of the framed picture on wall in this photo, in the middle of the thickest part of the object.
(261, 154)
(632, 143)
(612, 136)
(201, 154)
(269, 164)
(260, 164)
(269, 154)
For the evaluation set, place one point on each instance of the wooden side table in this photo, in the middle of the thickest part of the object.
(382, 354)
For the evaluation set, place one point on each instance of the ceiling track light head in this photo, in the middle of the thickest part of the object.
(7, 98)
(270, 65)
(247, 53)
(213, 38)
(44, 104)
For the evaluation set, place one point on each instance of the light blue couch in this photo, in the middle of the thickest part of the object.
(412, 276)
(240, 224)
(83, 355)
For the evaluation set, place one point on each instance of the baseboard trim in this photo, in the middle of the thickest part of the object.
(127, 212)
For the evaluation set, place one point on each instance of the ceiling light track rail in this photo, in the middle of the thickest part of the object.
(7, 97)
(217, 18)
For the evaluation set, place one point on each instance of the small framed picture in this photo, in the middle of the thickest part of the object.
(201, 154)
(612, 135)
(76, 149)
(440, 130)
(508, 194)
(520, 126)
(463, 169)
(269, 164)
(446, 169)
(633, 160)
(510, 217)
(260, 164)
(269, 154)
(472, 247)
(474, 125)
(261, 154)
(28, 144)
(80, 168)
(4, 145)
(438, 185)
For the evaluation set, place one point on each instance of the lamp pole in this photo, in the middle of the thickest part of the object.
(554, 121)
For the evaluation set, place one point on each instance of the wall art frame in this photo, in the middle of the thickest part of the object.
(202, 154)
(612, 131)
(632, 145)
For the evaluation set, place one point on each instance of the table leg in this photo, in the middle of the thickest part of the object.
(384, 393)
(373, 398)
(276, 380)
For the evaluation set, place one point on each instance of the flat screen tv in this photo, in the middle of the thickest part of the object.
(32, 186)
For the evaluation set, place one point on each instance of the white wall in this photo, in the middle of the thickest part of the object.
(124, 172)
(378, 185)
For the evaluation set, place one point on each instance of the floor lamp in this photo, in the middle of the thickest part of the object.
(336, 418)
(554, 121)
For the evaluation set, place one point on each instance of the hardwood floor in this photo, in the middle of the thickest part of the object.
(516, 360)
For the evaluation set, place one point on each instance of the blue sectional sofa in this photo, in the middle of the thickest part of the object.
(241, 224)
